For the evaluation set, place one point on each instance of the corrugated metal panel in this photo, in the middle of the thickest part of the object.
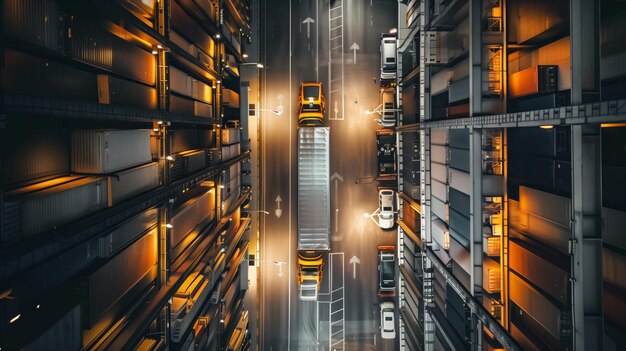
(460, 255)
(65, 334)
(104, 151)
(440, 190)
(614, 268)
(439, 172)
(125, 92)
(206, 138)
(461, 273)
(460, 159)
(440, 233)
(230, 98)
(33, 154)
(131, 182)
(614, 227)
(531, 301)
(549, 206)
(460, 181)
(460, 225)
(230, 136)
(313, 188)
(127, 232)
(439, 208)
(35, 21)
(179, 40)
(439, 137)
(459, 138)
(181, 105)
(201, 91)
(458, 90)
(183, 140)
(439, 154)
(459, 202)
(195, 161)
(111, 281)
(230, 151)
(180, 82)
(200, 109)
(45, 209)
(189, 28)
(30, 75)
(91, 44)
(49, 274)
(189, 215)
(538, 270)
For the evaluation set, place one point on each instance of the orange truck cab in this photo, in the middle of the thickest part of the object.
(311, 104)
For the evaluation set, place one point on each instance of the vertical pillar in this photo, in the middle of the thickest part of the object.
(586, 180)
(475, 57)
(587, 237)
(504, 246)
(425, 220)
(585, 50)
(476, 231)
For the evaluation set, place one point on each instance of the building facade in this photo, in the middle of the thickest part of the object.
(512, 211)
(122, 221)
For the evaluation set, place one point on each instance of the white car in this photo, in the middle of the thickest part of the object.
(387, 320)
(386, 208)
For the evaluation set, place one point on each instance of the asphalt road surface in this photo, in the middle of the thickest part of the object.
(300, 41)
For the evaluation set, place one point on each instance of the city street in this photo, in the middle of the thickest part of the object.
(301, 39)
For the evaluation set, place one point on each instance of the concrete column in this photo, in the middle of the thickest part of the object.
(425, 230)
(587, 237)
(476, 230)
(475, 57)
(585, 50)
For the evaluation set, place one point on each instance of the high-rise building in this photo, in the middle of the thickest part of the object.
(512, 169)
(122, 221)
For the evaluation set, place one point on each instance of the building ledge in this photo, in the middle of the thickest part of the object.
(65, 108)
(416, 239)
(605, 112)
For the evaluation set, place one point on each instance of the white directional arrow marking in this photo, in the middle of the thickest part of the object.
(354, 48)
(354, 260)
(308, 22)
(278, 211)
(336, 177)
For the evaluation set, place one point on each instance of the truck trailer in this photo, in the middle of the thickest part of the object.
(313, 207)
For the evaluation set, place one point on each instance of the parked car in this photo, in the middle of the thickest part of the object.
(388, 65)
(311, 103)
(386, 270)
(386, 154)
(386, 208)
(387, 320)
(388, 105)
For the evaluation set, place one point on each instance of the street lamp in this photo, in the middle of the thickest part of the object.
(372, 216)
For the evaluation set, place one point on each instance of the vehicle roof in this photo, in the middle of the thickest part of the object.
(386, 304)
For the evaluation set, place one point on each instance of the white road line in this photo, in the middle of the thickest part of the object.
(317, 42)
(289, 241)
